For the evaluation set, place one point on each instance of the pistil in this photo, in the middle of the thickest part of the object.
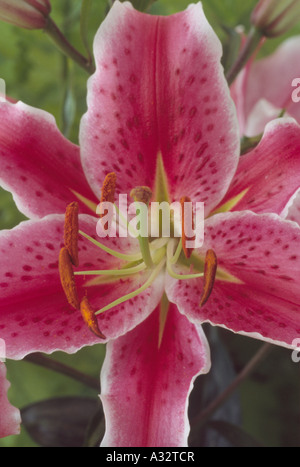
(142, 196)
(154, 256)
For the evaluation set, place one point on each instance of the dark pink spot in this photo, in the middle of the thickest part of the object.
(202, 149)
(133, 78)
(190, 80)
(26, 278)
(197, 137)
(125, 143)
(193, 112)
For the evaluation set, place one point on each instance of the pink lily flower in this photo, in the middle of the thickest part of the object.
(159, 115)
(10, 416)
(261, 92)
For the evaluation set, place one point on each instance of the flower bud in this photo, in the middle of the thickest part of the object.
(275, 17)
(29, 14)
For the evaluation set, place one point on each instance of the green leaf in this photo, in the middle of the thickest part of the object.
(9, 214)
(84, 26)
(142, 5)
(234, 434)
(60, 422)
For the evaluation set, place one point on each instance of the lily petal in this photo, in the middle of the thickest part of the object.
(34, 313)
(262, 253)
(10, 416)
(268, 176)
(143, 383)
(294, 210)
(37, 164)
(153, 93)
(264, 80)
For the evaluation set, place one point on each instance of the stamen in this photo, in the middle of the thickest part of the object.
(88, 203)
(210, 270)
(67, 278)
(88, 315)
(108, 195)
(141, 289)
(113, 272)
(187, 251)
(71, 232)
(170, 256)
(108, 188)
(110, 251)
(174, 258)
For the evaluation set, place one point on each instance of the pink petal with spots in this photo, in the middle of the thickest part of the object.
(269, 174)
(145, 387)
(34, 313)
(10, 416)
(159, 87)
(262, 253)
(37, 164)
(265, 80)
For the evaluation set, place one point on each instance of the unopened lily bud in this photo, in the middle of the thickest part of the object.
(275, 17)
(28, 14)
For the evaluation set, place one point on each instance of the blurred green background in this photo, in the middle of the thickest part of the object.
(36, 73)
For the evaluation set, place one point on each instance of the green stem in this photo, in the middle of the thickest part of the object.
(249, 48)
(84, 26)
(64, 46)
(47, 362)
(203, 416)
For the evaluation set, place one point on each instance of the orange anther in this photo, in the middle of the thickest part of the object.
(71, 232)
(88, 315)
(210, 269)
(67, 278)
(108, 188)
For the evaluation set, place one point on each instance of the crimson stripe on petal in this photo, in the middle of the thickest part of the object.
(145, 388)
